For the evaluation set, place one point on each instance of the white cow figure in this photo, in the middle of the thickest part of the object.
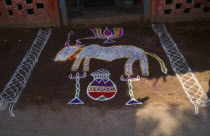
(132, 53)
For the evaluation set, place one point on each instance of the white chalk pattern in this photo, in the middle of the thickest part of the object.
(190, 84)
(17, 83)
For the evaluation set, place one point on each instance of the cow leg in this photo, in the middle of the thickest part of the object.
(144, 66)
(86, 64)
(76, 64)
(129, 67)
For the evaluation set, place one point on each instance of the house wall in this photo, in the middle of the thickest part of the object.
(179, 10)
(29, 13)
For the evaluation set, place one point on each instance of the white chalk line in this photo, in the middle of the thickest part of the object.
(189, 82)
(18, 81)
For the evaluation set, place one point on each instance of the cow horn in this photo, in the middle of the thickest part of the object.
(69, 35)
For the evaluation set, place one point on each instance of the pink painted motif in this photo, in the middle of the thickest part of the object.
(107, 34)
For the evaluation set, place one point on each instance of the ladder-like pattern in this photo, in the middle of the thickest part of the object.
(189, 82)
(17, 83)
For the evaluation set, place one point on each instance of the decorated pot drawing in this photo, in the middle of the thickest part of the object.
(101, 88)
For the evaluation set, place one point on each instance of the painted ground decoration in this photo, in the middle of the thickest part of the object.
(107, 34)
(101, 88)
(14, 88)
(109, 54)
(189, 82)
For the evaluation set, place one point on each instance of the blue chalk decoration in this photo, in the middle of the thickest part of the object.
(76, 101)
(132, 102)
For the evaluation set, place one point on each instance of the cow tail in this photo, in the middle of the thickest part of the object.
(162, 64)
